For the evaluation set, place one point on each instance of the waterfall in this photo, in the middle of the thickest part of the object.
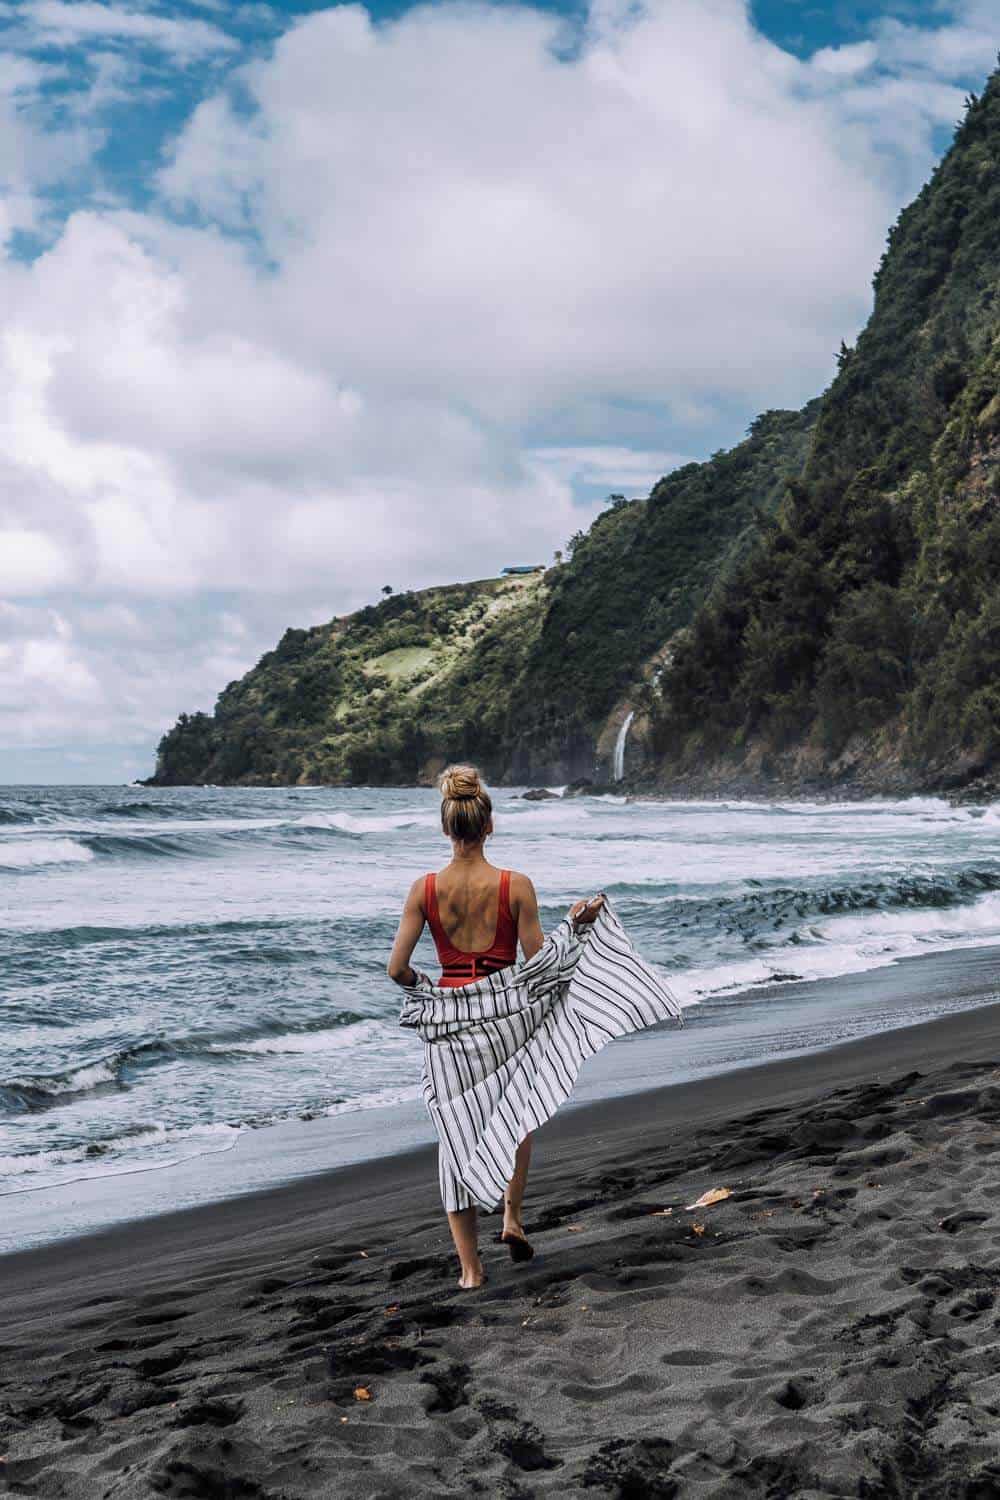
(618, 759)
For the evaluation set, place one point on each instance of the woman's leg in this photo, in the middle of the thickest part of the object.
(514, 1196)
(463, 1220)
(465, 1232)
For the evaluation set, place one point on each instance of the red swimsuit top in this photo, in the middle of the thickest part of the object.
(462, 968)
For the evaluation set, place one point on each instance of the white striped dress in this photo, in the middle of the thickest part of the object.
(502, 1053)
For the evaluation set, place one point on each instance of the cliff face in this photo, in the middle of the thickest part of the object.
(632, 582)
(818, 606)
(860, 637)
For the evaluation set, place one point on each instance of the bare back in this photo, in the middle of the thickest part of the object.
(469, 904)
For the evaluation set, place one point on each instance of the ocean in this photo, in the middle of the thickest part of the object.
(179, 967)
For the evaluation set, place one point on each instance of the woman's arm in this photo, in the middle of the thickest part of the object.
(411, 925)
(524, 910)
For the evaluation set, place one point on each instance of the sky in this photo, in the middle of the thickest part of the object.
(300, 300)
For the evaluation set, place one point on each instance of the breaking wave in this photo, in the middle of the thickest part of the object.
(33, 1093)
(35, 854)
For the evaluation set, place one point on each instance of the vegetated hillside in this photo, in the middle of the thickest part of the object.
(371, 698)
(633, 580)
(860, 635)
(519, 675)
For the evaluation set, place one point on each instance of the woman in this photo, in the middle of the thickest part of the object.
(477, 915)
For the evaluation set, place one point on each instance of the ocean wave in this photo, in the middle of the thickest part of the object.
(549, 816)
(146, 845)
(936, 926)
(324, 1040)
(40, 1091)
(376, 1099)
(35, 1092)
(15, 815)
(213, 839)
(362, 823)
(140, 1148)
(853, 941)
(763, 912)
(34, 854)
(935, 809)
(140, 810)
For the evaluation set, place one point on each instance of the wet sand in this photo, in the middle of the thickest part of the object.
(830, 1328)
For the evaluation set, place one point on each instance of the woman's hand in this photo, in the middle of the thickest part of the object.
(582, 913)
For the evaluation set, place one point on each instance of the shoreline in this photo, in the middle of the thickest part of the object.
(780, 1080)
(868, 1003)
(827, 1329)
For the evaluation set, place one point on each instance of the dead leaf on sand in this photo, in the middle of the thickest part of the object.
(362, 1393)
(363, 1254)
(392, 1309)
(573, 1228)
(714, 1195)
(660, 1213)
(698, 1229)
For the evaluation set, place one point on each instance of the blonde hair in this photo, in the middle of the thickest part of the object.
(466, 808)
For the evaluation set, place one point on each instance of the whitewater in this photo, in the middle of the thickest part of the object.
(183, 966)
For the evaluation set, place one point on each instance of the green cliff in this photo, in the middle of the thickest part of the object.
(860, 637)
(820, 604)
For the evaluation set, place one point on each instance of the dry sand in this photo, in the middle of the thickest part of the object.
(831, 1328)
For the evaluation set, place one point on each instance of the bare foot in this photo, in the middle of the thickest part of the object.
(513, 1236)
(472, 1276)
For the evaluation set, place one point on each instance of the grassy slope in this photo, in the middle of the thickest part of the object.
(369, 698)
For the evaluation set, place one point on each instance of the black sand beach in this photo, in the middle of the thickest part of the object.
(830, 1328)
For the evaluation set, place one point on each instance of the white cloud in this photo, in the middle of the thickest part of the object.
(629, 471)
(59, 23)
(853, 58)
(430, 277)
(684, 207)
(33, 158)
(30, 562)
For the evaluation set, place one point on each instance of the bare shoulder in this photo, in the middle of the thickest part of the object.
(521, 889)
(415, 895)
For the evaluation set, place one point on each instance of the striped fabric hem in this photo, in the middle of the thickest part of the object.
(501, 1054)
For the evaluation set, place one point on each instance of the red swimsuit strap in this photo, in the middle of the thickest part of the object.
(431, 901)
(503, 910)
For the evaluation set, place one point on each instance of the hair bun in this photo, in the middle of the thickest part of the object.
(460, 783)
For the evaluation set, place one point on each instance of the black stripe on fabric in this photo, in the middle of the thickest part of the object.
(505, 1052)
(603, 1003)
